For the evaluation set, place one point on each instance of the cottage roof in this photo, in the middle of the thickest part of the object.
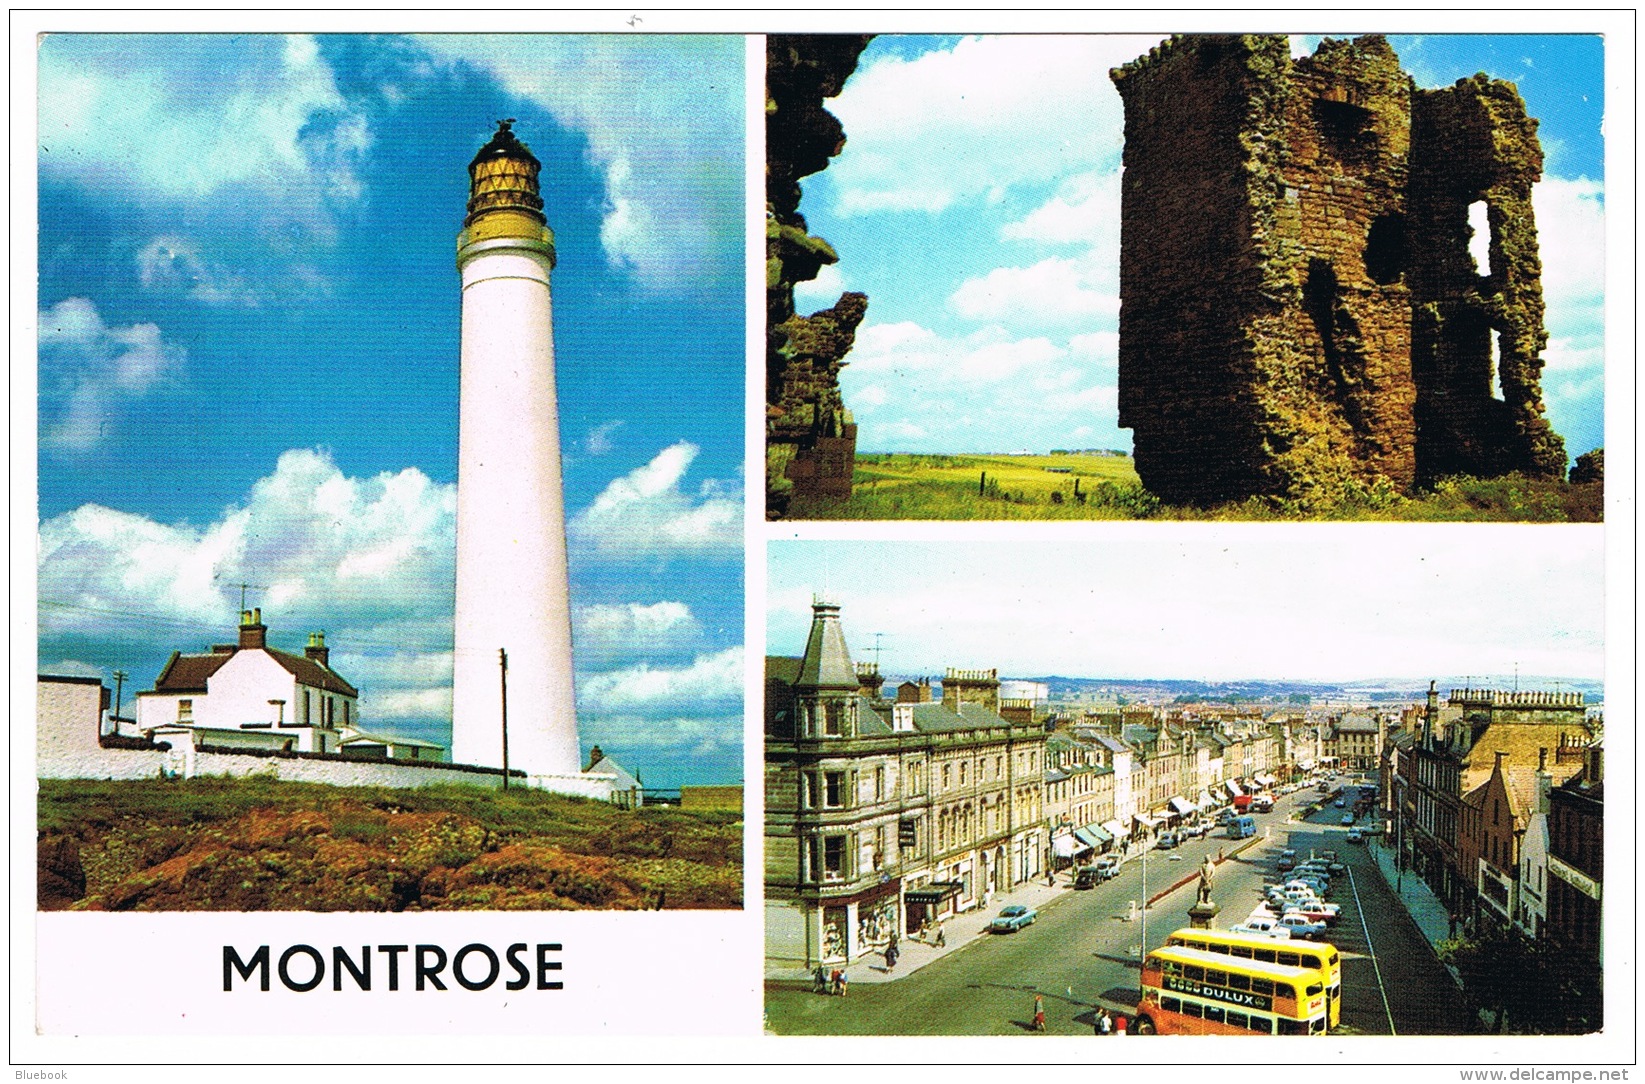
(189, 673)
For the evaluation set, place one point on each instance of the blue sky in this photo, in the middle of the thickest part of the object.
(981, 217)
(248, 359)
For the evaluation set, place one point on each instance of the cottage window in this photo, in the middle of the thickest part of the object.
(185, 711)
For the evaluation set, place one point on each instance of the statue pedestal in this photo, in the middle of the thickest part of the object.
(1201, 915)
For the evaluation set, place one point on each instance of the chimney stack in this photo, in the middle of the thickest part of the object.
(317, 649)
(253, 633)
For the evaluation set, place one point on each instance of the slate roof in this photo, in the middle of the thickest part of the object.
(827, 661)
(188, 673)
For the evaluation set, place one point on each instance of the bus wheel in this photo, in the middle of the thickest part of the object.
(1142, 1026)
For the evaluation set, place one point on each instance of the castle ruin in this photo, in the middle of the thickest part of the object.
(811, 439)
(1300, 310)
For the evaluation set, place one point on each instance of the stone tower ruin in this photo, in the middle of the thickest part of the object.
(1299, 307)
(811, 439)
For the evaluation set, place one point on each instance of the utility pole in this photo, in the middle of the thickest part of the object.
(119, 688)
(502, 661)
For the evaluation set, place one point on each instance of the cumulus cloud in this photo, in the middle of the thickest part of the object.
(820, 292)
(659, 113)
(647, 513)
(710, 682)
(1054, 291)
(89, 370)
(369, 561)
(915, 390)
(926, 134)
(185, 117)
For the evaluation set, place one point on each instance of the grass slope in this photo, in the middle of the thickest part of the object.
(214, 844)
(1084, 487)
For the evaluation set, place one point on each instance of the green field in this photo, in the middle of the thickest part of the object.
(1080, 487)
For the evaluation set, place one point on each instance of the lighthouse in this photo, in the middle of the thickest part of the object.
(513, 618)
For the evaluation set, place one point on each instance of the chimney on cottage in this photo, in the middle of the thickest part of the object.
(594, 755)
(317, 649)
(253, 633)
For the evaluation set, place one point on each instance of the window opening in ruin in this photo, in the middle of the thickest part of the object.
(1493, 346)
(1387, 249)
(1347, 129)
(1479, 236)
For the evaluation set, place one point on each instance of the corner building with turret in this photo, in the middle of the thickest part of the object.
(883, 816)
(1300, 311)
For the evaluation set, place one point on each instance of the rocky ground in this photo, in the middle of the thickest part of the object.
(245, 845)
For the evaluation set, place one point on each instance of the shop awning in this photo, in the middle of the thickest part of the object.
(1206, 802)
(935, 892)
(1094, 835)
(1234, 790)
(1183, 806)
(1114, 828)
(1145, 820)
(1265, 779)
(1066, 846)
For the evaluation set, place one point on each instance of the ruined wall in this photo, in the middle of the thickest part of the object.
(1478, 332)
(1271, 261)
(811, 439)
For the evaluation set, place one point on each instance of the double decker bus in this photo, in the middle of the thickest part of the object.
(1189, 991)
(1321, 957)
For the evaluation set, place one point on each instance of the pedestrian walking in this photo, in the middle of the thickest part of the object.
(1119, 1023)
(941, 940)
(891, 956)
(1039, 1013)
(845, 980)
(1050, 879)
(1105, 1022)
(820, 981)
(834, 982)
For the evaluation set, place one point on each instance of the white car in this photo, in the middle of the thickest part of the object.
(1262, 927)
(1300, 926)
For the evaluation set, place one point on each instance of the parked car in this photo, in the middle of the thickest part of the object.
(1262, 927)
(1087, 877)
(1285, 864)
(1313, 911)
(1166, 841)
(1347, 818)
(1108, 867)
(1013, 918)
(1355, 836)
(1341, 802)
(1301, 927)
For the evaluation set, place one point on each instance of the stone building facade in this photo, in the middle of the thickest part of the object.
(881, 816)
(1299, 307)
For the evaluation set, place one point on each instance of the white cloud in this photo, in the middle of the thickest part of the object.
(975, 121)
(663, 117)
(599, 438)
(89, 370)
(1570, 218)
(820, 292)
(646, 513)
(175, 265)
(367, 560)
(1058, 290)
(710, 681)
(189, 116)
(607, 632)
(1084, 210)
(915, 390)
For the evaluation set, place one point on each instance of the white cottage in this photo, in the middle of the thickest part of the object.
(248, 695)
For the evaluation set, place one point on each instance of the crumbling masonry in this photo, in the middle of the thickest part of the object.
(811, 440)
(1299, 308)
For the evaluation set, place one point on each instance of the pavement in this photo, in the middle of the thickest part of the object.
(964, 929)
(959, 931)
(1424, 907)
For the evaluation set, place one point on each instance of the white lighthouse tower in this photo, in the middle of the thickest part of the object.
(512, 594)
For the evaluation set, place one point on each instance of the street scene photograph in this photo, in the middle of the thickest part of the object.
(1234, 784)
